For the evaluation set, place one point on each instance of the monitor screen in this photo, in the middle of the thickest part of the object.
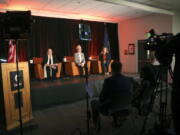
(84, 32)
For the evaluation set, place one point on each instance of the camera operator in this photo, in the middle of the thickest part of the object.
(146, 89)
(172, 47)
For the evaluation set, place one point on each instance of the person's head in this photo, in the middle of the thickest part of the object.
(78, 48)
(105, 50)
(49, 52)
(116, 67)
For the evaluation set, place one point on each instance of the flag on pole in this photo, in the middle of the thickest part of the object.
(12, 51)
(106, 39)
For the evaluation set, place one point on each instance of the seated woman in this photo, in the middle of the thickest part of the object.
(50, 65)
(105, 58)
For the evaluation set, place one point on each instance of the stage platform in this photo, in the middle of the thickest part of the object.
(62, 91)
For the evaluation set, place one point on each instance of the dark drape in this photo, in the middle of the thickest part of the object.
(58, 34)
(113, 40)
(62, 36)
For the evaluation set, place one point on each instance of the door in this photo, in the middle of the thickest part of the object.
(143, 59)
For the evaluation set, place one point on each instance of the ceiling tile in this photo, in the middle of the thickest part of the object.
(90, 7)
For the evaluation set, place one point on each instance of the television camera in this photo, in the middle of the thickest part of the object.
(156, 43)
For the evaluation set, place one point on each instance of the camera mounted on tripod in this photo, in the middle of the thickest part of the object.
(156, 43)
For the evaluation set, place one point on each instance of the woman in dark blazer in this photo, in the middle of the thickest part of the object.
(50, 65)
(105, 59)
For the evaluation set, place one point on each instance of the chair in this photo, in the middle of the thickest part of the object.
(95, 65)
(70, 67)
(109, 67)
(120, 110)
(58, 74)
(39, 71)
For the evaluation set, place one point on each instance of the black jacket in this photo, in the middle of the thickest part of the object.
(114, 86)
(45, 59)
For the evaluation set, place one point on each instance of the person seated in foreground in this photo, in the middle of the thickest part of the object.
(105, 60)
(79, 59)
(116, 85)
(50, 65)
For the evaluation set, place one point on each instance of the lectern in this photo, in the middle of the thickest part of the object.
(9, 107)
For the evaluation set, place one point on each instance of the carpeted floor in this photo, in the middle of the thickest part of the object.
(63, 119)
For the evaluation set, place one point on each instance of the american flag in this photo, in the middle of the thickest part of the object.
(12, 51)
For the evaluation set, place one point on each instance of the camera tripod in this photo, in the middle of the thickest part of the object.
(164, 122)
(88, 112)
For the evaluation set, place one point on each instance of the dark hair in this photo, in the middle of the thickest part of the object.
(116, 66)
(102, 50)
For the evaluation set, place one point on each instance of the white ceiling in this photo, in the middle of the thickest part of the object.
(164, 4)
(105, 10)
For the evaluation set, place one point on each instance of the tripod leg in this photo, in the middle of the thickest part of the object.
(153, 96)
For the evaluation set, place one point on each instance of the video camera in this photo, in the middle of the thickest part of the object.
(156, 43)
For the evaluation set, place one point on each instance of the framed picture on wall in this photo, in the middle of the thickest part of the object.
(131, 49)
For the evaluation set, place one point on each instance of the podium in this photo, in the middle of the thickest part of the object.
(9, 111)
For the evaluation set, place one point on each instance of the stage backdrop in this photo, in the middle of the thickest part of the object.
(62, 36)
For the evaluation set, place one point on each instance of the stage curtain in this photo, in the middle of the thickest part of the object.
(62, 36)
(113, 40)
